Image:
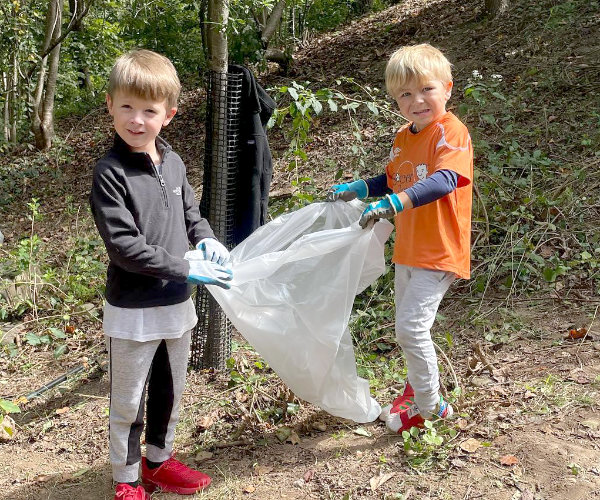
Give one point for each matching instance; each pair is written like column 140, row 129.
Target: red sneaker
column 406, row 393
column 124, row 491
column 406, row 415
column 174, row 477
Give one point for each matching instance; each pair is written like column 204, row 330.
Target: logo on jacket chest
column 177, row 190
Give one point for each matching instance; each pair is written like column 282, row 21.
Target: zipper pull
column 162, row 181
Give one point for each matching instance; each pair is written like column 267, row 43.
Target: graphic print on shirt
column 177, row 190
column 404, row 177
column 394, row 153
column 443, row 142
column 421, row 171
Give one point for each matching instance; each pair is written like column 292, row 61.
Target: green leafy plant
column 300, row 106
column 6, row 408
column 422, row 446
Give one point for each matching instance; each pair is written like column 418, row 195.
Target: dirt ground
column 538, row 407
column 528, row 423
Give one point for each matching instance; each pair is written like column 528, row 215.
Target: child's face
column 138, row 120
column 423, row 102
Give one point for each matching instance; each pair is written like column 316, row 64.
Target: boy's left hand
column 214, row 251
column 386, row 208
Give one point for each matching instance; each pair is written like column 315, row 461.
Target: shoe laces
column 178, row 468
column 407, row 403
column 131, row 493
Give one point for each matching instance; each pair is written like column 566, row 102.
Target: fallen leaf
column 526, row 494
column 42, row 478
column 577, row 334
column 63, row 410
column 249, row 489
column 319, row 426
column 470, row 445
column 309, row 475
column 462, row 423
column 8, row 428
column 361, row 431
column 580, row 376
column 509, row 460
column 261, row 470
column 458, row 463
column 203, row 455
column 69, row 329
column 293, row 438
column 591, row 424
column 283, row 433
column 377, row 481
column 205, row 422
column 79, row 472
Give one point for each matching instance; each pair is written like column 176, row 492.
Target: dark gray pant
column 161, row 366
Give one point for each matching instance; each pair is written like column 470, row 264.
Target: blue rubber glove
column 214, row 251
column 349, row 191
column 205, row 272
column 386, row 208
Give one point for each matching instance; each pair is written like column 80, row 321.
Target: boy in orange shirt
column 427, row 190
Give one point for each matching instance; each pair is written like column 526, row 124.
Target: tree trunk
column 218, row 16
column 6, row 127
column 270, row 27
column 202, row 13
column 217, row 338
column 495, row 7
column 218, row 60
column 43, row 103
column 12, row 98
column 42, row 119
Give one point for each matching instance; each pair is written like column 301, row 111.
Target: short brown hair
column 416, row 62
column 145, row 74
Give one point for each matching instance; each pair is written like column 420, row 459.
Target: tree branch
column 74, row 21
column 272, row 23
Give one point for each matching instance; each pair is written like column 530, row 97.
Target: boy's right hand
column 348, row 191
column 205, row 272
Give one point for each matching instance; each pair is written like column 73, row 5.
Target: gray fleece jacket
column 147, row 217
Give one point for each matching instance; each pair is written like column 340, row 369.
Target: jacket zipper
column 161, row 181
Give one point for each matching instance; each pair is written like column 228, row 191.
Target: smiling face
column 423, row 102
column 138, row 120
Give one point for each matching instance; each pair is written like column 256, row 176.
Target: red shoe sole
column 150, row 486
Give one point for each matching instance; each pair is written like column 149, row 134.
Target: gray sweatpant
column 418, row 293
column 161, row 365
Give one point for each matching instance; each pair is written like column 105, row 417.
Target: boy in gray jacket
column 145, row 212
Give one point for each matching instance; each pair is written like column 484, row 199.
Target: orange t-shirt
column 436, row 235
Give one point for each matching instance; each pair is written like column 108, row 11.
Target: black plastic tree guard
column 211, row 338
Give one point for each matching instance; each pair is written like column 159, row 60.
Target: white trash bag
column 294, row 284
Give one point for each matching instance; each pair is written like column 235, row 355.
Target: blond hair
column 416, row 62
column 145, row 74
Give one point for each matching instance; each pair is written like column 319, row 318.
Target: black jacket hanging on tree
column 255, row 162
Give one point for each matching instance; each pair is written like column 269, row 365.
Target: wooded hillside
column 518, row 342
